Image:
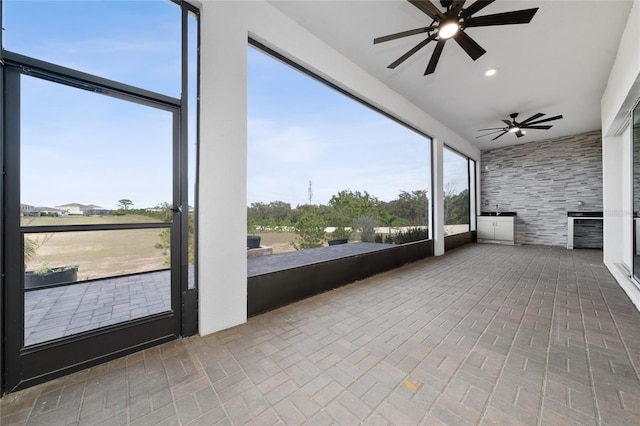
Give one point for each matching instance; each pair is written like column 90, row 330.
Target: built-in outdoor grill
column 584, row 230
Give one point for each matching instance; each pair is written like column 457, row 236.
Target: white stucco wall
column 623, row 86
column 623, row 90
column 226, row 25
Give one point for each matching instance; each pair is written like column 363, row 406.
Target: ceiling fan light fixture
column 518, row 128
column 452, row 23
column 448, row 28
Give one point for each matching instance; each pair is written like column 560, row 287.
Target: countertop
column 584, row 214
column 498, row 214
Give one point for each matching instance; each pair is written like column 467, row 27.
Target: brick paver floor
column 486, row 334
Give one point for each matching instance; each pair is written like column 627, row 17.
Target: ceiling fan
column 452, row 24
column 519, row 129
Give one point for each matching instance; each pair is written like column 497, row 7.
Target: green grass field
column 98, row 254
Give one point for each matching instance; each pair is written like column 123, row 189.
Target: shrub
column 341, row 233
column 408, row 236
column 310, row 230
column 366, row 225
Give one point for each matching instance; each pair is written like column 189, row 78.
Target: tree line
column 409, row 209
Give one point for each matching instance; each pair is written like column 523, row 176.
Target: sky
column 78, row 146
column 301, row 131
column 82, row 147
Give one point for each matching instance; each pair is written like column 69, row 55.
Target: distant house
column 92, row 209
column 27, row 210
column 49, row 211
column 83, row 209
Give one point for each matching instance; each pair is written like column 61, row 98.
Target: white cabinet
column 485, row 228
column 496, row 229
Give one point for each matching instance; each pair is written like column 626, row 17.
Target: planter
column 253, row 241
column 338, row 241
column 55, row 276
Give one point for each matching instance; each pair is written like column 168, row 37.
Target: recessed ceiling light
column 491, row 72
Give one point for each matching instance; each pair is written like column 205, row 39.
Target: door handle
column 177, row 209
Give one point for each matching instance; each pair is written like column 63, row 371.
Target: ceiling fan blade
column 490, row 133
column 472, row 48
column 536, row 127
column 407, row 55
column 507, row 18
column 533, row 117
column 429, row 8
column 403, row 34
column 435, row 57
column 557, row 117
column 501, row 134
column 476, row 7
column 491, row 128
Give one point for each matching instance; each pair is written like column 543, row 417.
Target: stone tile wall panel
column 542, row 181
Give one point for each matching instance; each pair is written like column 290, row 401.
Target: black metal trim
column 189, row 324
column 14, row 300
column 142, row 321
column 183, row 164
column 42, row 363
column 96, row 279
column 85, row 81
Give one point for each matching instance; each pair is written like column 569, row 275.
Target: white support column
column 222, row 256
column 437, row 147
column 612, row 158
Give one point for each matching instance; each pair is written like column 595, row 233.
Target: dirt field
column 98, row 253
column 279, row 241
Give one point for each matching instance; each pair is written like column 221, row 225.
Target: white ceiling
column 557, row 64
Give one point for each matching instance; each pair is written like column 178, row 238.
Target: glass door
column 93, row 216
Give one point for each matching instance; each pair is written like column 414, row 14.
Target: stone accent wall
column 542, row 181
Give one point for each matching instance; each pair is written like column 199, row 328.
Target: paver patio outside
column 63, row 311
